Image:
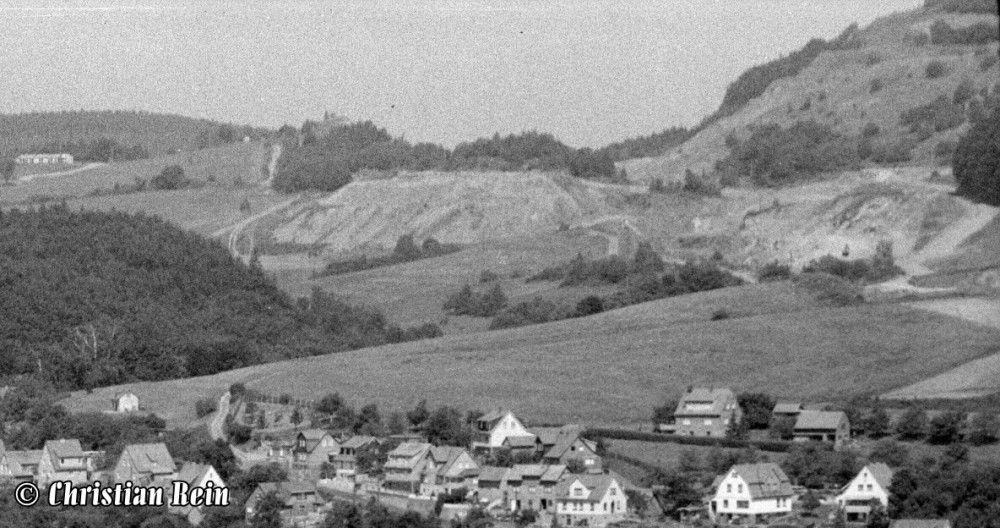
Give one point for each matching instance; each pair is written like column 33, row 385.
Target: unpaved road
column 976, row 378
column 272, row 164
column 62, row 173
column 236, row 229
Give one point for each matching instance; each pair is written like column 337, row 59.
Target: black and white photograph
column 499, row 263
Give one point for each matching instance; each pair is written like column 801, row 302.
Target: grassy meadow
column 614, row 367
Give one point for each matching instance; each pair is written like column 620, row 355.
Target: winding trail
column 236, row 230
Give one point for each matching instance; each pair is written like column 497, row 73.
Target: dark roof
column 597, row 486
column 150, row 458
column 492, row 416
column 787, row 408
column 565, row 442
column 819, row 420
column 716, row 397
column 520, row 441
column 764, row 480
column 492, row 473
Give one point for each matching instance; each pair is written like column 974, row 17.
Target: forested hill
column 156, row 133
column 93, row 298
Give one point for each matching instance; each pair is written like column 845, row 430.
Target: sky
column 589, row 71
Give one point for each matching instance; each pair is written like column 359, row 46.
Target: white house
column 871, row 483
column 126, row 402
column 494, row 427
column 753, row 492
column 596, row 499
column 31, row 159
column 197, row 476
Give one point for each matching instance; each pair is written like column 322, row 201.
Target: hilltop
column 156, row 133
column 872, row 75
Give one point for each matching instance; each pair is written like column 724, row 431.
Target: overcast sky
column 589, row 71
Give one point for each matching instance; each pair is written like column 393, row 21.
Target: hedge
column 774, row 446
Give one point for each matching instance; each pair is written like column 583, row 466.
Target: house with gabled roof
column 313, row 447
column 871, row 484
column 125, row 402
column 447, row 469
column 570, row 447
column 299, row 497
column 404, row 468
column 141, row 464
column 495, row 427
column 752, row 492
column 704, row 411
column 20, row 466
column 63, row 460
column 596, row 499
column 786, row 410
column 822, row 426
column 197, row 476
column 349, row 450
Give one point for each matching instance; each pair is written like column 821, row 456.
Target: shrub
column 698, row 185
column 205, row 406
column 870, row 130
column 936, row 69
column 872, row 59
column 589, row 305
column 171, row 177
column 719, row 314
column 773, row 271
column 912, row 424
column 468, row 302
column 976, row 161
column 963, row 92
column 939, row 114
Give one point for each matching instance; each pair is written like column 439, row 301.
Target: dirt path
column 272, row 164
column 237, row 229
column 976, row 378
column 86, row 167
column 215, row 428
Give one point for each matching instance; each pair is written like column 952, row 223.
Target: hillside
column 93, row 298
column 156, row 133
column 878, row 74
column 621, row 363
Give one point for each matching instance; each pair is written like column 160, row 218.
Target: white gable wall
column 509, row 425
column 733, row 497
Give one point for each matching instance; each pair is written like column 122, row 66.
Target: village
column 510, row 473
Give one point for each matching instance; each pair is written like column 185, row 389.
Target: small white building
column 32, row 159
column 126, row 402
column 871, row 484
column 495, row 427
column 596, row 499
column 752, row 492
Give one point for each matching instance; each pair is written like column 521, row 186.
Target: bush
column 468, row 302
column 699, row 185
column 205, row 406
column 870, row 130
column 171, row 177
column 536, row 311
column 939, row 114
column 963, row 92
column 936, row 69
column 773, row 271
column 978, row 33
column 976, row 161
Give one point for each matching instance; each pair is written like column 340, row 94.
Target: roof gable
column 826, row 420
column 763, row 481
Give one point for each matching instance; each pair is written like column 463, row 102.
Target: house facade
column 31, row 159
column 346, row 459
column 570, row 449
column 141, row 464
column 871, row 484
column 704, row 411
column 313, row 448
column 495, row 427
column 752, row 493
column 63, row 460
column 197, row 476
column 299, row 498
column 20, row 466
column 447, row 469
column 125, row 402
column 822, row 426
column 405, row 465
column 591, row 500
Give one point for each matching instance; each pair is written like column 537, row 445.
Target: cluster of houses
column 565, row 477
column 33, row 159
column 145, row 465
column 711, row 411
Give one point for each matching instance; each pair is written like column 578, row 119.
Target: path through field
column 86, row 167
column 236, row 229
column 976, row 378
column 272, row 164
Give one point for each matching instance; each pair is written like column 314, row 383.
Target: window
column 739, row 488
column 588, row 461
column 605, row 506
column 708, row 421
column 725, row 503
column 612, row 491
column 729, row 488
column 687, row 421
column 743, row 504
column 869, row 487
column 577, row 492
column 591, row 506
column 861, row 487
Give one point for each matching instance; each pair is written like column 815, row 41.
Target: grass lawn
column 666, row 454
column 413, row 293
column 616, row 366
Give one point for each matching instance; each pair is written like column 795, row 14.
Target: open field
column 622, row 362
column 666, row 454
column 225, row 164
column 413, row 293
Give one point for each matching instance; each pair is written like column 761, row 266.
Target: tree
column 7, row 168
column 877, row 425
column 267, row 514
column 877, row 516
column 891, row 452
column 296, row 417
column 589, row 305
column 810, row 502
column 984, row 428
column 782, row 427
column 525, row 517
column 946, row 427
column 406, row 249
column 396, row 424
column 368, row 420
column 646, row 261
column 976, row 162
column 419, row 414
column 330, row 404
column 737, row 429
column 171, row 177
column 446, row 427
column 913, row 424
column 757, row 407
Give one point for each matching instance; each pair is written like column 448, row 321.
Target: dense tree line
column 775, row 156
column 976, row 161
column 326, row 162
column 988, row 7
column 155, row 134
column 975, row 34
column 95, row 298
column 100, row 149
column 406, row 250
column 654, row 144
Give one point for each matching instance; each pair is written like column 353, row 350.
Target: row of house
column 31, row 159
column 762, row 492
column 711, row 411
column 147, row 465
